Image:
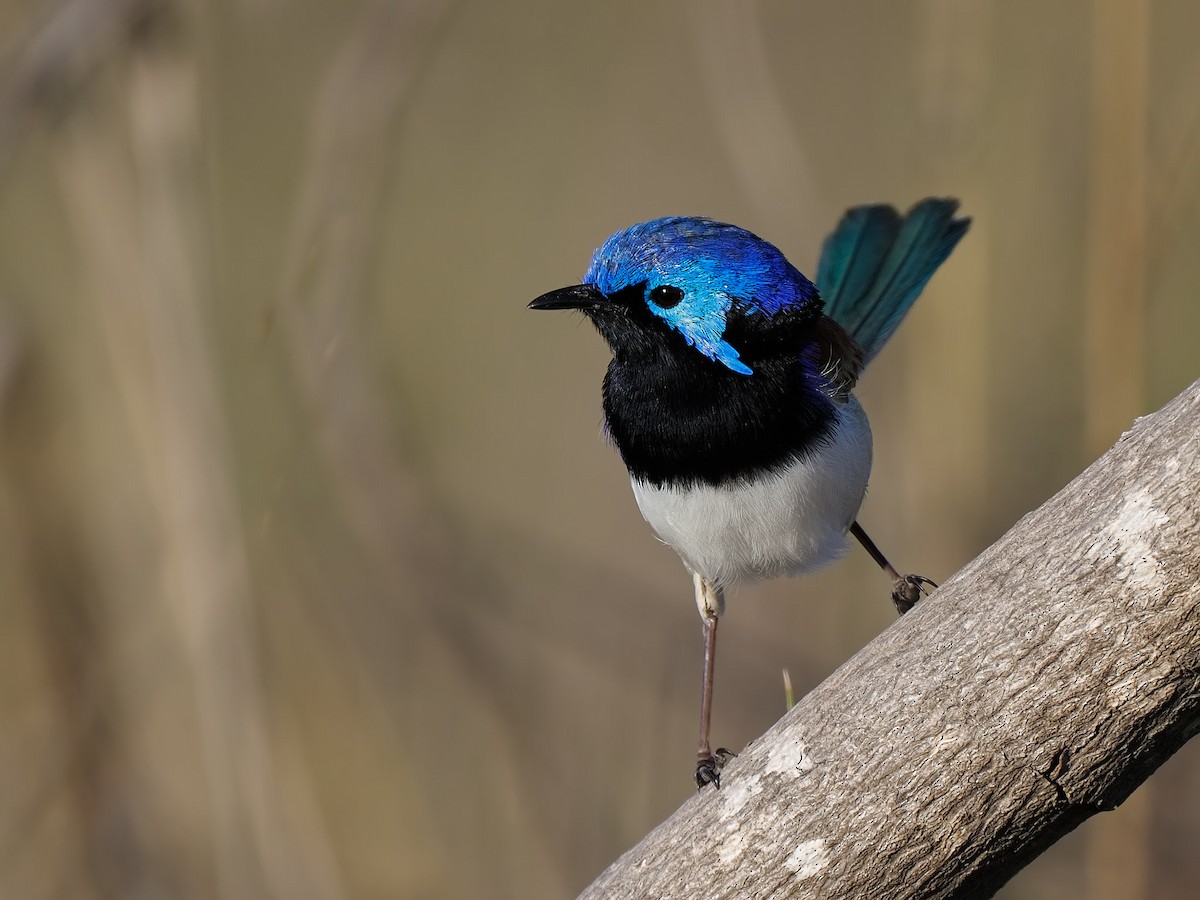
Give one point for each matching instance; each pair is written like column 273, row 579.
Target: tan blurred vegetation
column 317, row 579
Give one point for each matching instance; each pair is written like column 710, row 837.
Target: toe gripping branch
column 906, row 589
column 708, row 768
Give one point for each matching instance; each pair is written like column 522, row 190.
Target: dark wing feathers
column 839, row 359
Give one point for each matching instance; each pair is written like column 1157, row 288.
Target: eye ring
column 666, row 296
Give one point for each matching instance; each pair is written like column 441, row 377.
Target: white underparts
column 784, row 523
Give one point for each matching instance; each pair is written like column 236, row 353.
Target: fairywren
column 729, row 394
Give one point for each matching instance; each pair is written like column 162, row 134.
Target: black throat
column 680, row 418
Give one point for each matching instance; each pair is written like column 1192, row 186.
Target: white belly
column 782, row 524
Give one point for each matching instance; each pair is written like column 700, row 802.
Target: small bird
column 729, row 394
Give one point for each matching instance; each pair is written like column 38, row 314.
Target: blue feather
column 722, row 271
column 875, row 264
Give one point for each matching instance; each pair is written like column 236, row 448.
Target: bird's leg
column 906, row 589
column 710, row 600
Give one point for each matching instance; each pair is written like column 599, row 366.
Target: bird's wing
column 839, row 357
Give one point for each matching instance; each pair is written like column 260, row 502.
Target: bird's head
column 714, row 288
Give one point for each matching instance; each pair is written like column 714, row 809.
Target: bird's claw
column 908, row 589
column 708, row 768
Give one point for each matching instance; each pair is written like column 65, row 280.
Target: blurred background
column 317, row 578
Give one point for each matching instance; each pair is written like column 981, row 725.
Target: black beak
column 578, row 296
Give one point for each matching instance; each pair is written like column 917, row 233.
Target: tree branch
column 1037, row 687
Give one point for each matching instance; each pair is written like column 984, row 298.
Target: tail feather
column 875, row 264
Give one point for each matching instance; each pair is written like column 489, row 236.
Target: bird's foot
column 708, row 768
column 908, row 589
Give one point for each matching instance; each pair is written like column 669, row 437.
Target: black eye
column 665, row 296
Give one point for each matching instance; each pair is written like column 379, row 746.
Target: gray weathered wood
column 1037, row 687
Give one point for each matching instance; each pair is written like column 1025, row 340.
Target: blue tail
column 875, row 265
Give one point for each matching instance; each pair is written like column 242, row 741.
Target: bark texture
column 1039, row 686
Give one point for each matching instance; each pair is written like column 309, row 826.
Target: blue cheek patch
column 729, row 358
column 702, row 324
